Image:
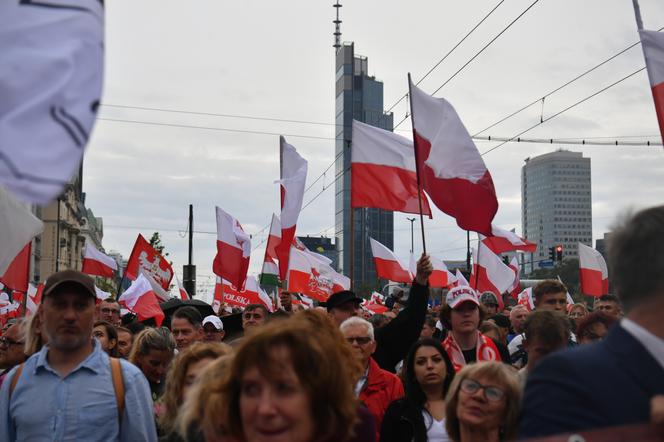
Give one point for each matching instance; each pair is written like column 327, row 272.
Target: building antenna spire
column 337, row 27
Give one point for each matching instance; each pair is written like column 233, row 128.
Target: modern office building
column 322, row 245
column 360, row 97
column 556, row 204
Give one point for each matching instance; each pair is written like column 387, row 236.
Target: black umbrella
column 173, row 304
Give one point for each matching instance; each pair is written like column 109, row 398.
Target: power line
column 575, row 141
column 544, row 120
column 478, row 53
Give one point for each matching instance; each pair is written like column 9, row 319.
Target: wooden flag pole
column 417, row 165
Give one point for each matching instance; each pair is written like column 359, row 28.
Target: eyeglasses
column 493, row 394
column 362, row 340
column 9, row 342
column 110, row 311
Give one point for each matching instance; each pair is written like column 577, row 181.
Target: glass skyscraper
column 360, row 97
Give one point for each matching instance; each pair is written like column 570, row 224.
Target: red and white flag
column 34, row 297
column 383, row 171
column 516, row 285
column 311, row 276
column 17, row 275
column 252, row 294
column 145, row 258
column 502, row 241
column 233, row 250
column 451, row 169
column 388, row 266
column 441, row 276
column 594, row 275
column 141, row 300
column 97, row 263
column 270, row 272
column 17, row 227
column 218, row 297
column 101, row 295
column 181, row 290
column 525, row 298
column 460, row 279
column 376, row 308
column 490, row 273
column 293, row 179
column 652, row 43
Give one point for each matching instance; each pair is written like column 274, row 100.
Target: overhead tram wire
column 574, row 141
column 564, row 110
column 578, row 77
column 478, row 53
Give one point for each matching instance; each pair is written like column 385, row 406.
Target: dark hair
column 549, row 327
column 446, row 315
column 610, row 298
column 111, row 299
column 593, row 318
column 414, row 393
column 112, row 334
column 430, row 321
column 135, row 327
column 252, row 307
column 191, row 314
column 547, row 287
column 635, row 257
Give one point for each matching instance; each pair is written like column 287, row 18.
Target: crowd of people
column 464, row 371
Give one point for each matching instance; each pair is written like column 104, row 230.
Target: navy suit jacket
column 591, row 386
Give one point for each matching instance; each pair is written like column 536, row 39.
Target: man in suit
column 613, row 382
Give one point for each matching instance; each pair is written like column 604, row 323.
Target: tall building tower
column 359, row 97
column 556, row 204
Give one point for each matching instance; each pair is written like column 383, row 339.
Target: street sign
column 545, row 264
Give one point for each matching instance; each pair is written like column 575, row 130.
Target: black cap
column 70, row 277
column 336, row 299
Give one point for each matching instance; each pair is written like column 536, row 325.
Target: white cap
column 214, row 320
column 461, row 294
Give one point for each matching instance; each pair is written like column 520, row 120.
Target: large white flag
column 51, row 70
column 17, row 227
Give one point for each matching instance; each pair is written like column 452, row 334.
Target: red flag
column 252, row 294
column 652, row 43
column 34, row 297
column 451, row 169
column 309, row 274
column 502, row 241
column 141, row 300
column 233, row 250
column 490, row 273
column 383, row 171
column 145, row 257
column 594, row 275
column 183, row 293
column 388, row 266
column 516, row 285
column 17, row 275
column 97, row 263
column 293, row 178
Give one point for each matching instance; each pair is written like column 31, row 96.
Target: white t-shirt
column 436, row 431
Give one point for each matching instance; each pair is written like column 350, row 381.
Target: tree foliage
column 155, row 242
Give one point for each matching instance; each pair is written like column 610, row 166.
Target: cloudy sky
column 253, row 62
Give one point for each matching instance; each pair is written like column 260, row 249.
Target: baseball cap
column 489, row 298
column 461, row 294
column 214, row 320
column 70, row 277
column 342, row 297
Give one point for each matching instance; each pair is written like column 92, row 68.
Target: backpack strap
column 118, row 386
column 14, row 380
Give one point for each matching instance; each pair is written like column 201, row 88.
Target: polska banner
column 144, row 257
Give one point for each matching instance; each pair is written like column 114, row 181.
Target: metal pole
column 412, row 237
column 417, row 168
column 468, row 251
column 191, row 231
column 57, row 239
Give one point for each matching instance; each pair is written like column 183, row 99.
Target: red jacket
column 380, row 389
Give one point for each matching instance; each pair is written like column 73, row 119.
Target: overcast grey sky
column 275, row 60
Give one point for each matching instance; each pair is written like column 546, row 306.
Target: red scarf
column 485, row 350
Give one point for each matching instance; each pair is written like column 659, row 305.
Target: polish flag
column 101, row 295
column 378, row 309
column 451, row 169
column 302, row 300
column 525, row 298
column 388, row 266
column 309, row 275
column 97, row 263
column 183, row 293
column 441, row 276
column 502, row 241
column 490, row 273
column 594, row 275
column 218, row 297
column 652, row 43
column 17, row 275
column 252, row 294
column 144, row 258
column 34, row 297
column 293, row 178
column 8, row 308
column 383, row 171
column 270, row 272
column 460, row 279
column 233, row 250
column 516, row 285
column 18, row 227
column 141, row 300
column 377, row 298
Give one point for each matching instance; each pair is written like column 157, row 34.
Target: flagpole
column 468, row 251
column 637, row 13
column 352, row 247
column 417, row 165
column 477, row 273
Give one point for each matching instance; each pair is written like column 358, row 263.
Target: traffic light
column 552, row 254
column 559, row 253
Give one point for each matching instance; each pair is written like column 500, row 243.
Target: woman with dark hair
column 420, row 415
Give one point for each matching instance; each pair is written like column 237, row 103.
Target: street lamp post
column 412, row 220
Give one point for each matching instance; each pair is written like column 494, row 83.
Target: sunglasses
column 493, row 394
column 362, row 340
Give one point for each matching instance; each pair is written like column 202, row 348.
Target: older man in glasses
column 11, row 349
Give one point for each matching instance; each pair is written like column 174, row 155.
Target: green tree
column 106, row 285
column 568, row 271
column 155, row 242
